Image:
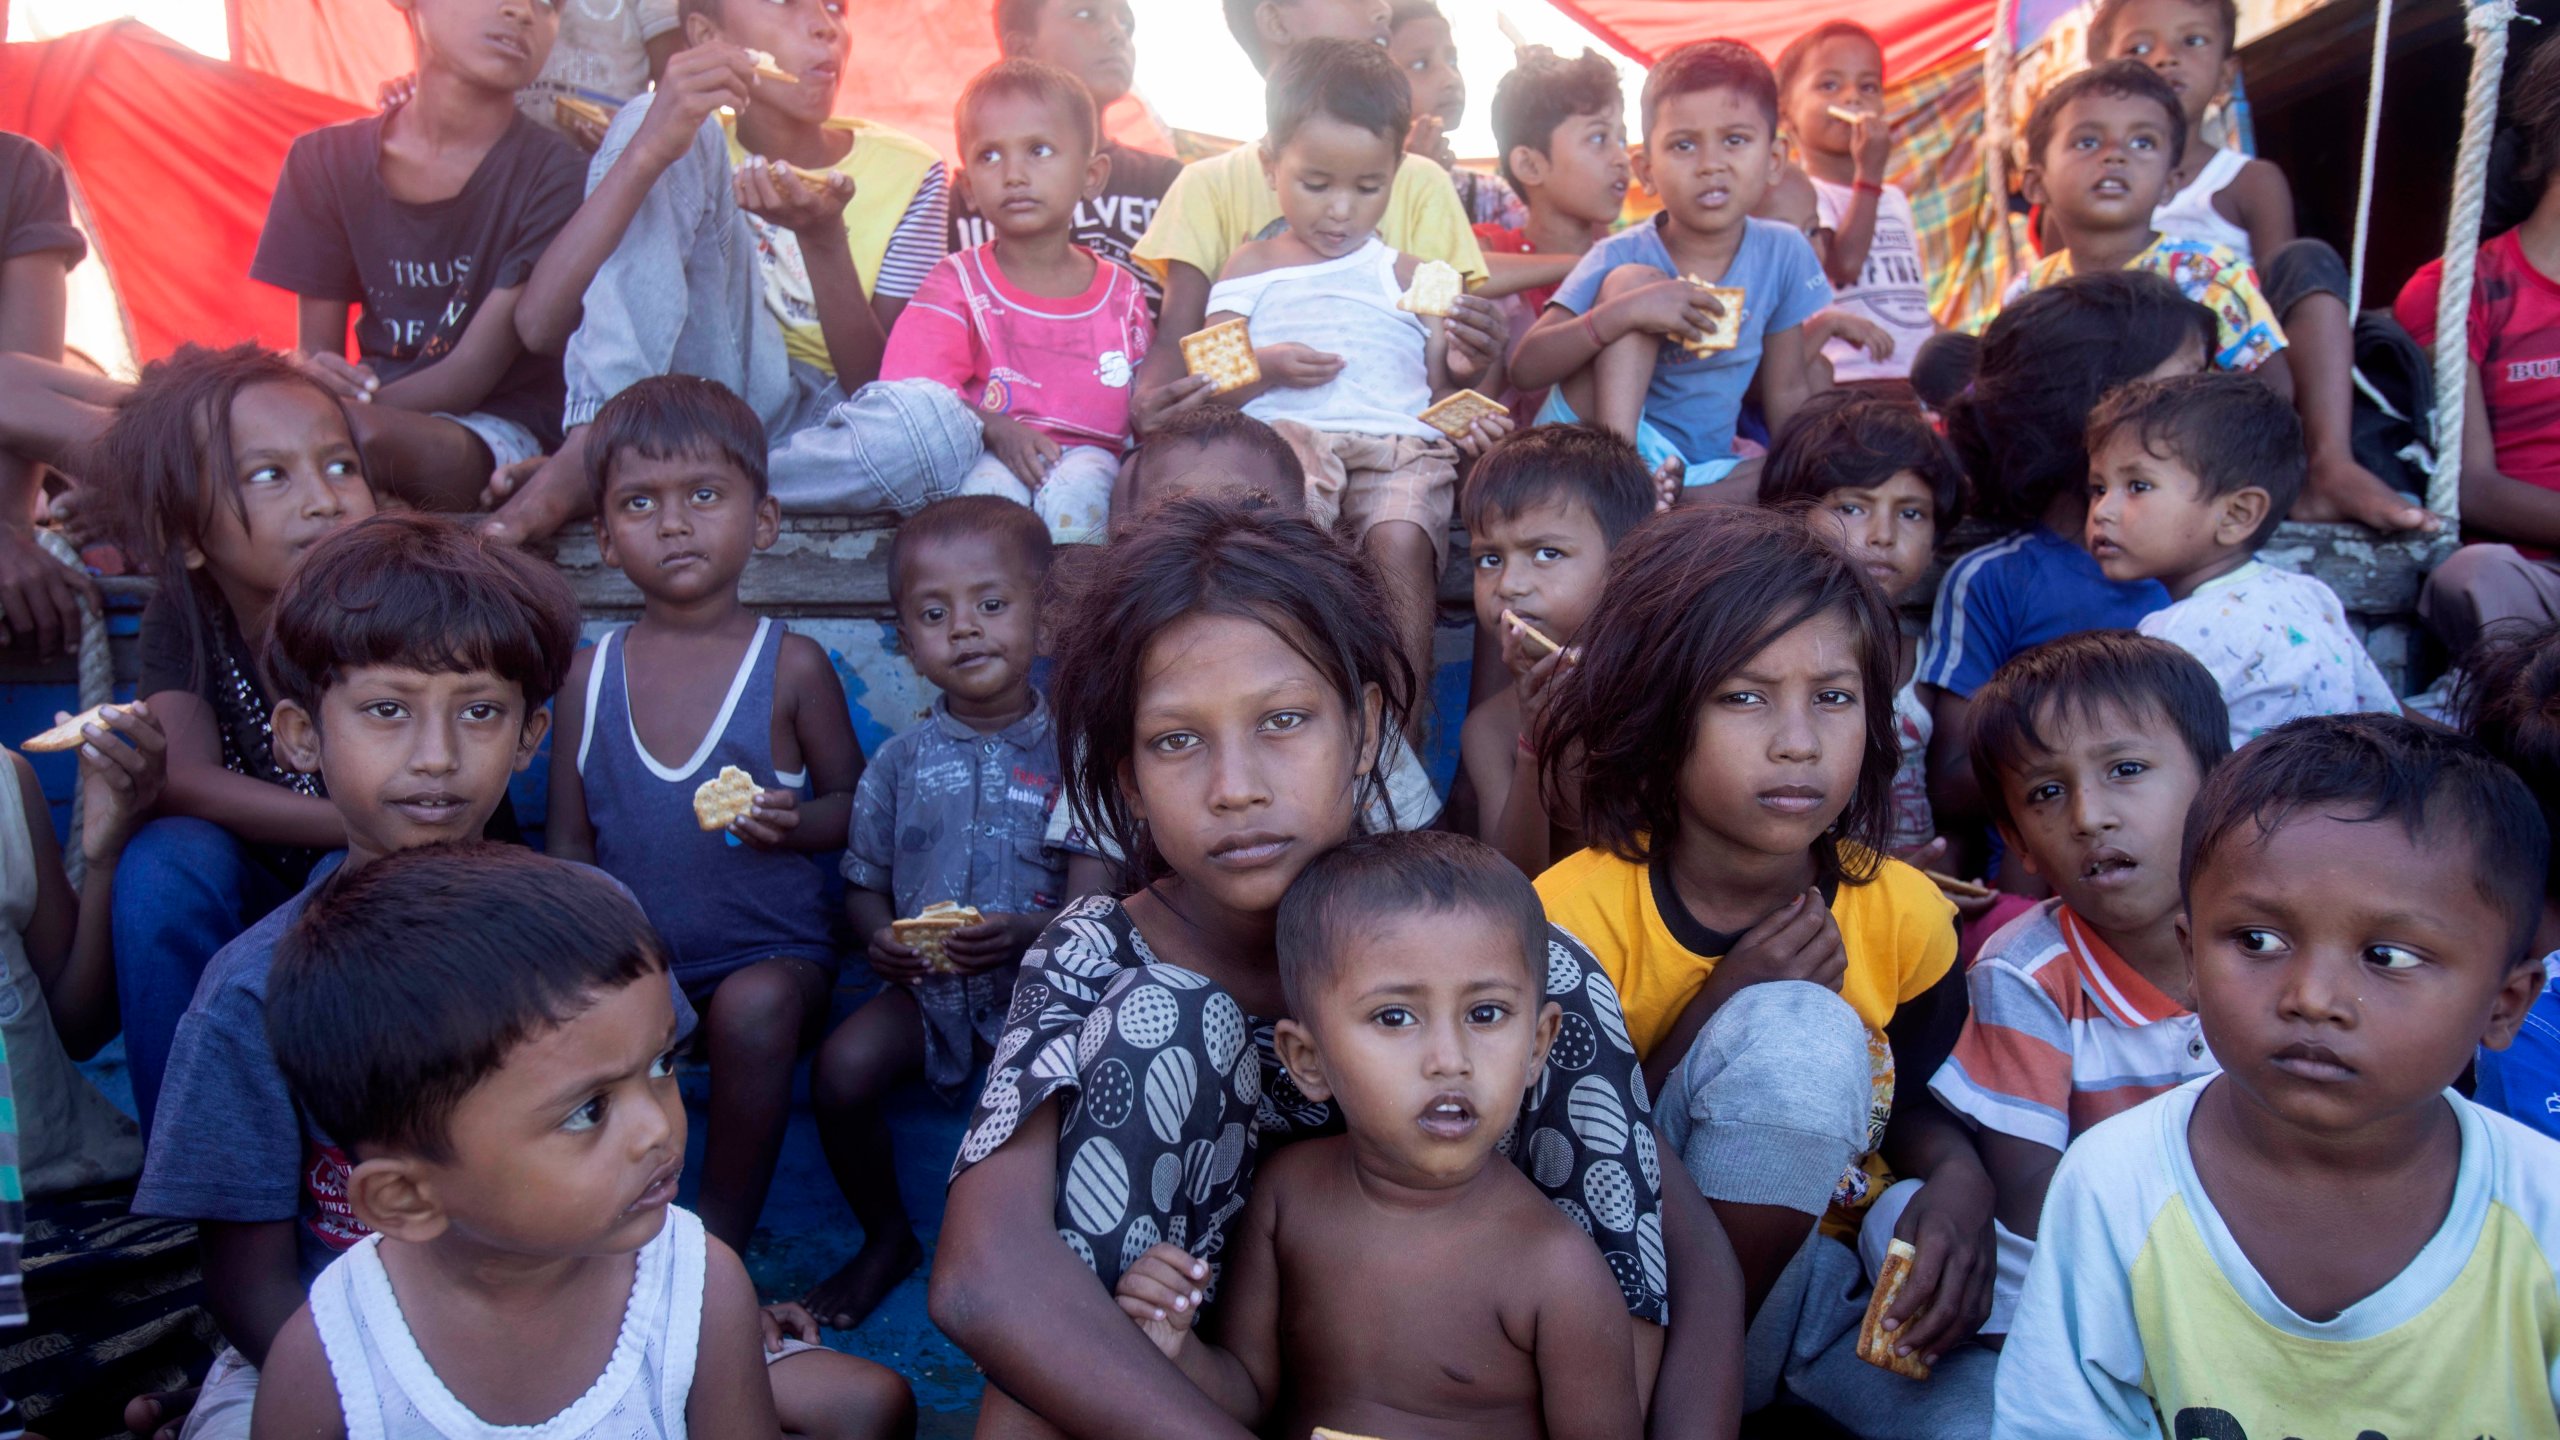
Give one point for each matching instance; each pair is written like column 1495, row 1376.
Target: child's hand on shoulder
column 769, row 824
column 776, row 194
column 1162, row 1293
column 787, row 1320
column 1297, row 367
column 1798, row 941
column 993, row 943
column 698, row 80
column 120, row 778
column 1026, row 452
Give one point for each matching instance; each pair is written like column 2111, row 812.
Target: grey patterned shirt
column 946, row 813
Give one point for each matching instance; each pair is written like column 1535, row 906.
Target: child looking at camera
column 517, row 1137
column 1346, row 371
column 1787, row 986
column 1038, row 333
column 654, row 711
column 1544, row 510
column 2090, row 749
column 2188, row 476
column 1869, row 240
column 2324, row 1238
column 1415, row 969
column 1632, row 338
column 956, row 809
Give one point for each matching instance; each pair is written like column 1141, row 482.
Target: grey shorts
column 508, row 441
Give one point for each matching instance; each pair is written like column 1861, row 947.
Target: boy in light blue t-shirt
column 1634, row 338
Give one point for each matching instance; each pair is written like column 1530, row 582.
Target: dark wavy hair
column 1692, row 595
column 2510, row 700
column 1210, row 555
column 1846, row 440
column 165, row 458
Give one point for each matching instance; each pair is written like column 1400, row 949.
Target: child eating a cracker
column 658, row 713
column 955, row 810
column 1400, row 1279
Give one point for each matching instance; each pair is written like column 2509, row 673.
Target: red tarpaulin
column 1916, row 33
column 175, row 156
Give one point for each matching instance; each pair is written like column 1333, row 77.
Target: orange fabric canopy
column 1916, row 33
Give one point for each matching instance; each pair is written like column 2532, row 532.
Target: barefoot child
column 2090, row 748
column 956, row 809
column 512, row 1116
column 426, row 221
column 656, row 710
column 1544, row 510
column 2323, row 1239
column 1347, row 372
column 2188, row 476
column 1038, row 333
column 1362, row 1270
column 2226, row 198
column 1869, row 242
column 231, row 464
column 1784, row 981
column 1228, row 678
column 1633, row 339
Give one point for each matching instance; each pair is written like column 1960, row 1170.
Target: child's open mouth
column 1449, row 1117
column 2109, row 867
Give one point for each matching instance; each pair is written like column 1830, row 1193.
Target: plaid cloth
column 1937, row 150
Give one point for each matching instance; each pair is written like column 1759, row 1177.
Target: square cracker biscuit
column 926, row 932
column 1728, row 331
column 1453, row 415
column 1224, row 353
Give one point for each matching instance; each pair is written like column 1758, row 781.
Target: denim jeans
column 184, row 889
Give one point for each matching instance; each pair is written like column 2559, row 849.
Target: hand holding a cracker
column 894, row 960
column 1674, row 309
column 769, row 824
column 804, row 202
column 993, row 943
column 699, row 81
column 120, row 777
column 1151, row 406
column 1478, row 337
column 1948, row 1294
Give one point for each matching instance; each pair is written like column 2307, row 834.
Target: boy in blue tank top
column 956, row 809
column 655, row 711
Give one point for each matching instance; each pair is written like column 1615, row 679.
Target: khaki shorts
column 1357, row 482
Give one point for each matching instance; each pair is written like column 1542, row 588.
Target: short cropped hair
column 2510, row 699
column 1848, row 440
column 2438, row 785
column 666, row 416
column 2533, row 103
column 404, row 984
column 1345, row 892
column 1791, row 60
column 2102, row 25
column 1711, row 65
column 419, row 592
column 962, row 516
column 2229, row 428
column 1352, row 81
column 2113, row 79
column 1692, row 595
column 1063, row 93
column 2081, row 676
column 1543, row 464
column 1207, row 425
column 1544, row 91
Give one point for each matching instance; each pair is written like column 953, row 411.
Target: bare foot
column 158, row 1415
column 529, row 503
column 2346, row 491
column 843, row 1299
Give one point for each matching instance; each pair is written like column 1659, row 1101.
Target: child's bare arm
column 1247, row 1321
column 1186, row 301
column 829, row 752
column 253, row 810
column 2021, row 1171
column 1585, row 1347
column 1783, row 386
column 1511, row 274
column 568, row 834
column 1162, row 1293
column 2493, row 500
column 297, row 1396
column 2265, row 202
column 70, row 939
column 1490, row 751
column 460, row 381
column 252, row 1280
column 815, row 216
column 732, row 1399
column 1561, row 343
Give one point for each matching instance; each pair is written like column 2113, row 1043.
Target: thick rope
column 1996, row 139
column 2487, row 23
column 2372, row 138
column 97, row 681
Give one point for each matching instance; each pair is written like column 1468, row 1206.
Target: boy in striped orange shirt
column 2088, row 750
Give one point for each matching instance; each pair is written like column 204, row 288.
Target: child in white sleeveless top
column 489, row 1035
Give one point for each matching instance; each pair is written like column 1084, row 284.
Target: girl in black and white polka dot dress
column 1228, row 677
